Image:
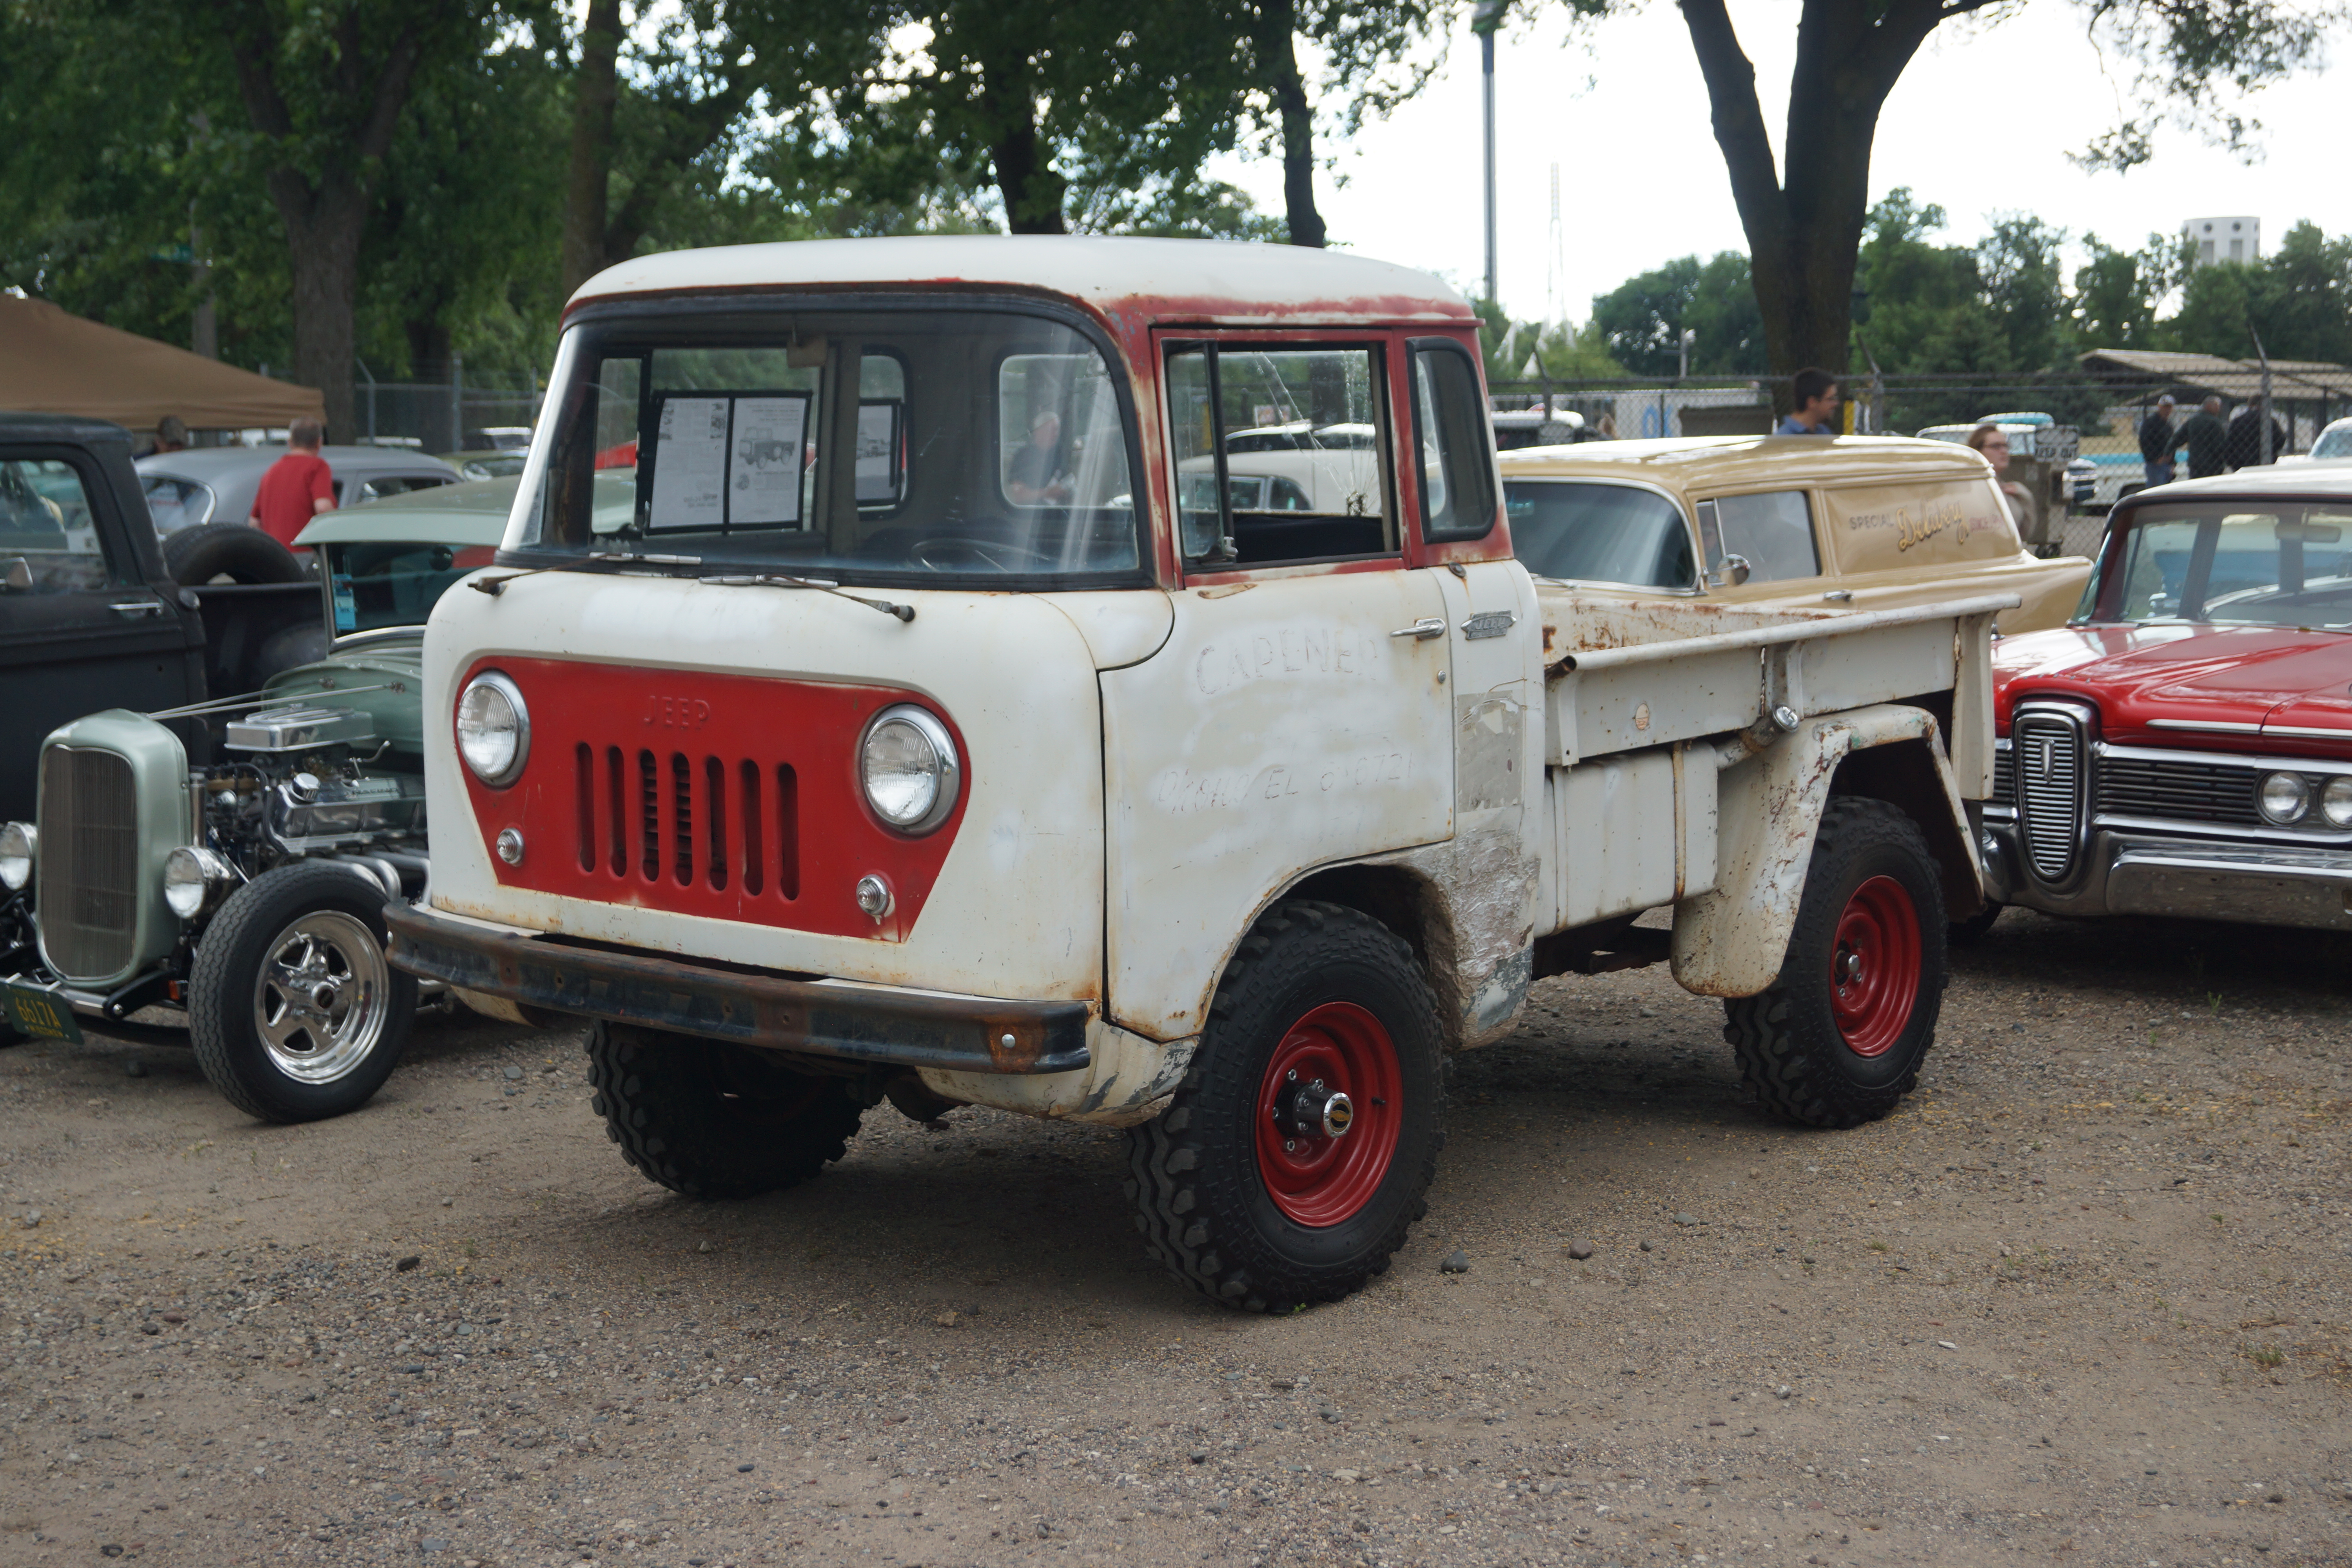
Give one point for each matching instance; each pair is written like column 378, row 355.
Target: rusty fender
column 1127, row 1081
column 1730, row 941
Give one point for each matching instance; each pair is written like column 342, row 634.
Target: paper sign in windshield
column 878, row 451
column 690, row 463
column 764, row 468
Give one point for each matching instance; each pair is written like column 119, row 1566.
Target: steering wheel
column 995, row 553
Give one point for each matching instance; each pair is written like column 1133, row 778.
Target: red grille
column 685, row 792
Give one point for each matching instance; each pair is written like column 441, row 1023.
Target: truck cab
column 930, row 731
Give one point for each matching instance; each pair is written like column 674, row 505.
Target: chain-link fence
column 439, row 417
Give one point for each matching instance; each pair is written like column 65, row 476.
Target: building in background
column 2224, row 240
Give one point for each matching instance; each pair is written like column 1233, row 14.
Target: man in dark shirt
column 2157, row 442
column 2203, row 434
column 1814, row 396
column 2245, row 444
column 1031, row 480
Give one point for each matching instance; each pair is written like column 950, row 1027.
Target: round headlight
column 908, row 764
column 2285, row 797
column 493, row 728
column 191, row 879
column 17, row 842
column 2335, row 801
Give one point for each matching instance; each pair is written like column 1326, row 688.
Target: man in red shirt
column 298, row 487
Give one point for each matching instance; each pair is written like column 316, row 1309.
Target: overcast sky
column 1980, row 124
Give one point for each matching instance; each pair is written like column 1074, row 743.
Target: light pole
column 1485, row 18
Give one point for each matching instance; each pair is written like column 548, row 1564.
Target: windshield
column 879, row 446
column 2287, row 565
column 395, row 585
column 2335, row 441
column 1600, row 534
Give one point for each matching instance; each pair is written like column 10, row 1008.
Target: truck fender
column 1730, row 942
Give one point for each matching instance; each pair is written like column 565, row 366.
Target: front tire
column 293, row 1010
column 711, row 1119
column 1838, row 1039
column 1257, row 1187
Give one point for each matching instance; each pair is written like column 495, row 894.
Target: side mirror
column 17, row 577
column 1729, row 572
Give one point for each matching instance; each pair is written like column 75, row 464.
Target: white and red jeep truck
column 1090, row 678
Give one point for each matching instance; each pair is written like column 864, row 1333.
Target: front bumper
column 816, row 1017
column 2197, row 879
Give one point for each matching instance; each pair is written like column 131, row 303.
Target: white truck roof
column 1201, row 280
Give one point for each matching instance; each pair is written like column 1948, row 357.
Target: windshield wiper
column 821, row 585
column 494, row 586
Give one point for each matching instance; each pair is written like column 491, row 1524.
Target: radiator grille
column 2046, row 751
column 2005, row 775
column 88, row 895
column 2170, row 787
column 724, row 821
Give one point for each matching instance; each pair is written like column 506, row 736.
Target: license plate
column 40, row 1014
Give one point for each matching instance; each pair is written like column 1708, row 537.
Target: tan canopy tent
column 55, row 363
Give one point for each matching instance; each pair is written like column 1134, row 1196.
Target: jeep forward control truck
column 924, row 735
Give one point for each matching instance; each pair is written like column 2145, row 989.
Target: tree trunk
column 1277, row 22
column 323, row 202
column 1804, row 233
column 1025, row 179
column 588, row 182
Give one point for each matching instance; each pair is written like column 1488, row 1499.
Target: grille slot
column 88, row 895
column 2005, row 775
column 2173, row 787
column 2046, row 751
column 730, row 836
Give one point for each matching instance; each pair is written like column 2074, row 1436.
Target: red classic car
column 2183, row 746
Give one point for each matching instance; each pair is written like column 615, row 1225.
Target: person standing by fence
column 2207, row 438
column 2245, row 443
column 1814, row 394
column 2157, row 444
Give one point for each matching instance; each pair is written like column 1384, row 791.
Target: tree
column 1804, row 213
column 324, row 85
column 1643, row 319
column 2298, row 300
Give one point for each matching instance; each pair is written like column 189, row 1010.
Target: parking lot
column 2083, row 1299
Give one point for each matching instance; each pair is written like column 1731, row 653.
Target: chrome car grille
column 2004, row 777
column 87, row 895
column 2046, row 751
column 2177, row 788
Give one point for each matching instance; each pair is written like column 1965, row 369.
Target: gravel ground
column 2083, row 1299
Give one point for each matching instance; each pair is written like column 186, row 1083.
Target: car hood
column 2249, row 686
column 382, row 676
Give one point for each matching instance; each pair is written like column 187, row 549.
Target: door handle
column 136, row 609
column 1422, row 630
column 1840, row 595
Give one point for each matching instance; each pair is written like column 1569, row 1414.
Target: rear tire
column 236, row 550
column 294, row 1012
column 1838, row 1039
column 1245, row 1191
column 710, row 1120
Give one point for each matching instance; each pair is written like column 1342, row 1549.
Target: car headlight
column 908, row 764
column 17, row 843
column 493, row 728
column 2335, row 803
column 2285, row 797
column 194, row 878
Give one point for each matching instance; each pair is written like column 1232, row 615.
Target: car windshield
column 905, row 446
column 2335, row 441
column 2229, row 564
column 1600, row 534
column 395, row 585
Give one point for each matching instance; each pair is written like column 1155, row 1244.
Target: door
column 1300, row 712
column 80, row 629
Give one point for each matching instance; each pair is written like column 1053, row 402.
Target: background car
column 2332, row 444
column 1864, row 522
column 217, row 484
column 2183, row 745
column 493, row 463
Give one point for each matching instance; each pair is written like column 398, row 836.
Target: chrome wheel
column 323, row 996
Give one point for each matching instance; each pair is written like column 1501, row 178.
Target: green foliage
column 2298, row 300
column 1518, row 351
column 1641, row 321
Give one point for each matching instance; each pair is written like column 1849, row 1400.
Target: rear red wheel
column 1328, row 1114
column 1875, row 970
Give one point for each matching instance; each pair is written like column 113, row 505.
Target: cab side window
column 1772, row 532
column 1278, row 453
column 46, row 525
column 1451, row 433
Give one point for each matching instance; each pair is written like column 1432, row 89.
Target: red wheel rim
column 1874, row 968
column 1314, row 1177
